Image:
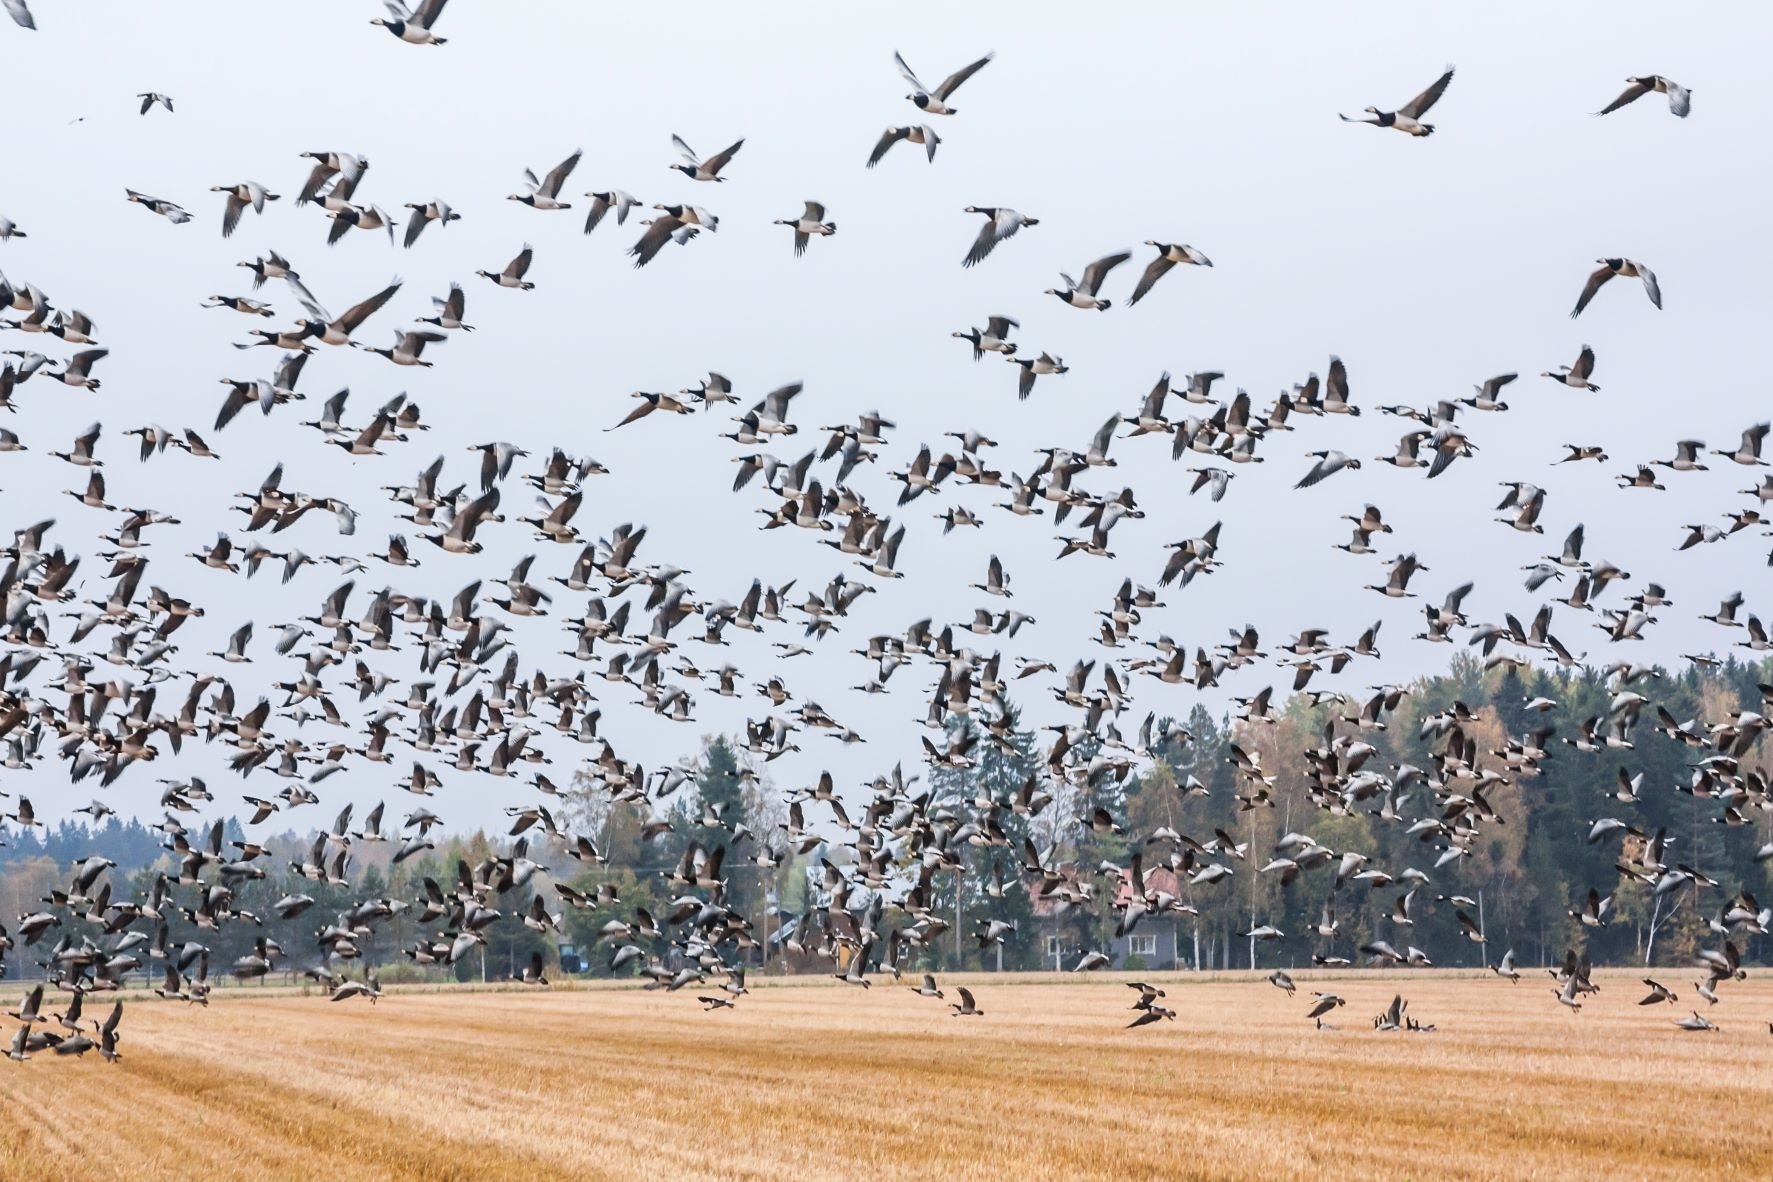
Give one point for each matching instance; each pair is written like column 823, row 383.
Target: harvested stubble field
column 810, row 1079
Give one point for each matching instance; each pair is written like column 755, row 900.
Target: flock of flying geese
column 478, row 704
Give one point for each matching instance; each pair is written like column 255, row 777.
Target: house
column 1067, row 930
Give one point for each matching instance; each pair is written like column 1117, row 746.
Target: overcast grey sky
column 1427, row 265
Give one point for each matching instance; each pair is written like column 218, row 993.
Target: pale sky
column 1427, row 265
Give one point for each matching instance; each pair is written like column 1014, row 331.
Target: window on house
column 1142, row 945
column 1053, row 948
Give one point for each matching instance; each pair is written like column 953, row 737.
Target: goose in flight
column 1033, row 367
column 1611, row 267
column 935, row 101
column 917, row 133
column 993, row 338
column 1748, row 453
column 423, row 214
column 1408, row 118
column 150, row 98
column 20, row 12
column 811, row 222
column 602, row 203
column 697, row 169
column 1083, row 295
column 347, row 168
column 1576, row 376
column 239, row 197
column 1168, row 255
column 175, row 214
column 964, row 1008
column 514, row 272
column 413, row 26
column 545, row 194
column 1001, row 223
column 407, row 347
column 1329, row 463
column 9, row 230
column 1680, row 99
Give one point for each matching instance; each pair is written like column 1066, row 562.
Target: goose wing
column 1600, row 276
column 1418, row 106
column 952, row 83
column 910, row 77
column 1154, row 271
column 358, row 313
column 1637, row 90
column 1097, row 271
column 557, row 175
column 888, row 138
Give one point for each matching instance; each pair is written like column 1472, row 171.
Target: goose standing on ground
column 917, row 133
column 1611, row 267
column 413, row 26
column 150, row 98
column 239, row 197
column 423, row 215
column 1408, row 118
column 514, row 272
column 545, row 194
column 809, row 223
column 1084, row 295
column 173, row 213
column 1168, row 255
column 697, row 169
column 935, row 102
column 1001, row 223
column 1680, row 99
column 1576, row 376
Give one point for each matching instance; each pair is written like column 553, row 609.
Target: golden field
column 816, row 1079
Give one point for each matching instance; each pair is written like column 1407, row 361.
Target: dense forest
column 1524, row 879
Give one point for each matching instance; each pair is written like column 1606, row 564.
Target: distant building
column 1064, row 928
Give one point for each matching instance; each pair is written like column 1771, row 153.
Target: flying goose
column 669, row 228
column 77, row 370
column 449, row 310
column 545, row 194
column 1168, row 255
column 412, row 26
column 348, row 168
column 347, row 217
column 150, row 98
column 9, row 230
column 1084, row 295
column 239, row 197
column 934, row 102
column 1329, row 463
column 1035, row 366
column 1680, row 99
column 602, row 203
column 423, row 215
column 244, row 304
column 513, row 274
column 1408, row 118
column 993, row 338
column 1748, row 453
column 811, row 222
column 1576, row 376
column 965, row 1007
column 337, row 331
column 20, row 12
column 166, row 209
column 920, row 133
column 1000, row 223
column 1609, row 268
column 407, row 347
column 697, row 169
